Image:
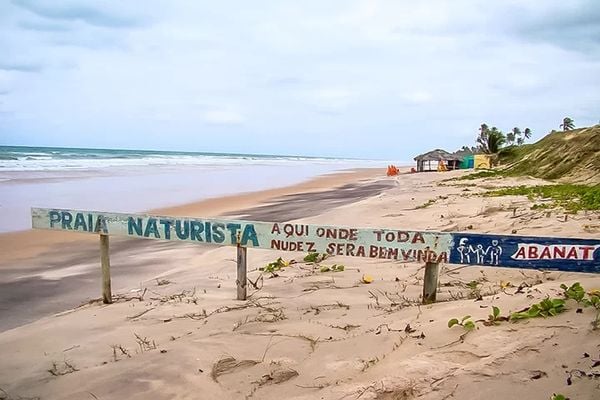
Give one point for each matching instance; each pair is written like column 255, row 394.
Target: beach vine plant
column 546, row 308
column 315, row 258
column 333, row 268
column 594, row 301
column 495, row 318
column 573, row 292
column 466, row 322
column 275, row 266
column 577, row 292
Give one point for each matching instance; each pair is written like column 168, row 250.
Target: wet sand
column 60, row 270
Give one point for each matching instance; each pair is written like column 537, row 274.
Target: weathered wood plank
column 105, row 264
column 374, row 243
column 242, row 278
column 430, row 282
column 567, row 254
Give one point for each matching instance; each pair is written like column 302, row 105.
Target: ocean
column 20, row 158
column 138, row 180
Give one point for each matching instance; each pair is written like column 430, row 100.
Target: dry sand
column 306, row 334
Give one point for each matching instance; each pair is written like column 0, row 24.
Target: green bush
column 480, row 175
column 571, row 197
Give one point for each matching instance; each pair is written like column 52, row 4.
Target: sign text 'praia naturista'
column 581, row 255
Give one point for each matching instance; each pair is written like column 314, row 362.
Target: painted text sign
column 395, row 244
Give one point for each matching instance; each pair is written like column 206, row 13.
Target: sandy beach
column 366, row 200
column 176, row 331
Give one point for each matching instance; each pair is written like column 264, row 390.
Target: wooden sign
column 565, row 254
column 432, row 248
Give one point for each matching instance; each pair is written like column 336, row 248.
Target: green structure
column 467, row 162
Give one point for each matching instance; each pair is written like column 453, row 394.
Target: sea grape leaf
column 496, row 311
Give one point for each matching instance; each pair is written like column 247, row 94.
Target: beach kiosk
column 431, row 161
column 483, row 161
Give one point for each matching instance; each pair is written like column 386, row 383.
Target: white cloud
column 222, row 117
column 332, row 99
column 418, row 97
column 371, row 72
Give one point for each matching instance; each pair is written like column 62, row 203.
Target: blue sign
column 580, row 255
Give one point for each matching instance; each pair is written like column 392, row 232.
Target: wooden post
column 431, row 282
column 105, row 261
column 241, row 272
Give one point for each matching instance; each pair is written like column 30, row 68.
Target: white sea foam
column 46, row 163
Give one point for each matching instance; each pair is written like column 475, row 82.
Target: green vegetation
column 426, row 204
column 594, row 301
column 577, row 293
column 490, row 141
column 276, row 265
column 516, row 137
column 543, row 206
column 572, row 156
column 572, row 198
column 546, row 308
column 494, row 318
column 315, row 257
column 574, row 292
column 479, row 175
column 465, row 322
column 558, row 397
column 333, row 268
column 568, row 124
column 475, row 290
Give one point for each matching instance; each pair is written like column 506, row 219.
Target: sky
column 367, row 79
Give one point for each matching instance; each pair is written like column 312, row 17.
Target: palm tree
column 496, row 140
column 513, row 135
column 483, row 136
column 527, row 133
column 568, row 124
column 491, row 140
column 510, row 138
column 483, row 128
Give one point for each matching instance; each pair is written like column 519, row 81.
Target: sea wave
column 53, row 159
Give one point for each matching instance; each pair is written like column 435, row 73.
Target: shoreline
column 25, row 244
column 136, row 189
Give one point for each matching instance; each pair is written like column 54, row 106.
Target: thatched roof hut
column 429, row 161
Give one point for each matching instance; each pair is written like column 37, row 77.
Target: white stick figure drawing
column 479, row 252
column 464, row 251
column 495, row 252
